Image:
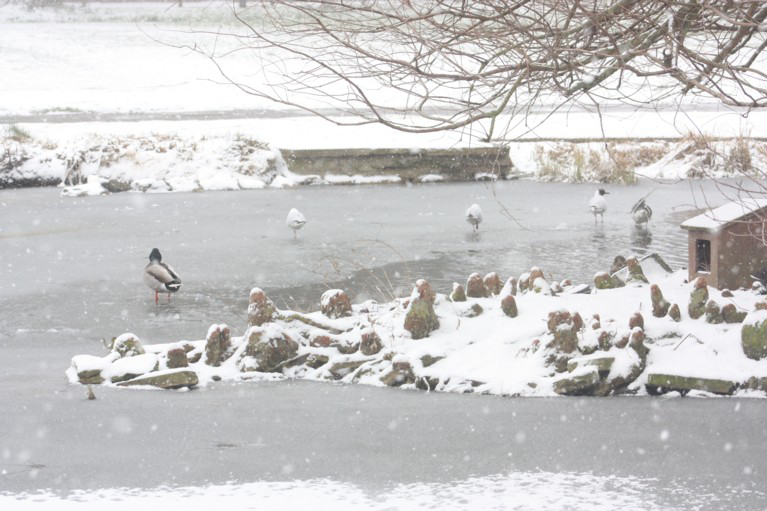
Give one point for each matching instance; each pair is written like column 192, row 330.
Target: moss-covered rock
column 523, row 283
column 636, row 275
column 268, row 349
column 176, row 359
column 315, row 361
column 89, row 369
column 660, row 383
column 370, row 343
column 425, row 291
column 430, row 360
column 756, row 383
column 535, row 274
column 753, row 335
column 401, row 373
column 619, row 384
column 493, row 283
column 659, row 305
column 618, row 264
column 344, row 345
column 427, row 383
column 260, row 308
column 636, row 342
column 578, row 321
column 129, row 368
column 509, row 288
column 603, row 281
column 605, row 340
column 475, row 287
column 541, row 286
column 420, row 318
column 336, row 304
column 731, row 314
column 509, row 306
column 578, row 383
column 340, row 370
column 602, row 363
column 172, row 379
column 636, row 320
column 127, row 345
column 473, row 311
column 698, row 299
column 218, row 345
column 565, row 339
column 713, row 313
column 458, row 294
column 674, row 313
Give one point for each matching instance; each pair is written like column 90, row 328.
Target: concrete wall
column 410, row 165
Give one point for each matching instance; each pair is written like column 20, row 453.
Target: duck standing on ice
column 295, row 221
column 641, row 213
column 598, row 205
column 474, row 216
column 160, row 276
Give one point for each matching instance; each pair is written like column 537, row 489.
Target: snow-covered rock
column 547, row 349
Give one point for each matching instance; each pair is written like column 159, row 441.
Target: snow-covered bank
column 166, row 157
column 94, row 164
column 528, row 337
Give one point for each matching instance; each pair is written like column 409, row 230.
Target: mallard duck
column 474, row 216
column 295, row 221
column 641, row 212
column 598, row 205
column 160, row 276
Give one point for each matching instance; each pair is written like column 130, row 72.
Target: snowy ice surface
column 515, row 490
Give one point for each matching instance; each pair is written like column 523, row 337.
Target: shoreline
column 151, row 161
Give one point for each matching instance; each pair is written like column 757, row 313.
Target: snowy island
column 640, row 329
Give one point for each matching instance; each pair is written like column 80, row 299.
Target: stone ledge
column 408, row 164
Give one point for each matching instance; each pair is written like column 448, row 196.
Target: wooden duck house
column 728, row 244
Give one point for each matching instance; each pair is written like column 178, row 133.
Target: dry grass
column 612, row 163
column 17, row 133
column 738, row 156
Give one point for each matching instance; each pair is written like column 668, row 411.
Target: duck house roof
column 726, row 214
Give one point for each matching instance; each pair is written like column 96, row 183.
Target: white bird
column 295, row 221
column 474, row 216
column 641, row 212
column 598, row 204
column 160, row 276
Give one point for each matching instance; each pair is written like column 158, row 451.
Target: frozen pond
column 71, row 274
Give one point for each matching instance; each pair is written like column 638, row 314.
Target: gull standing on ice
column 160, row 276
column 295, row 221
column 598, row 204
column 474, row 216
column 641, row 212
